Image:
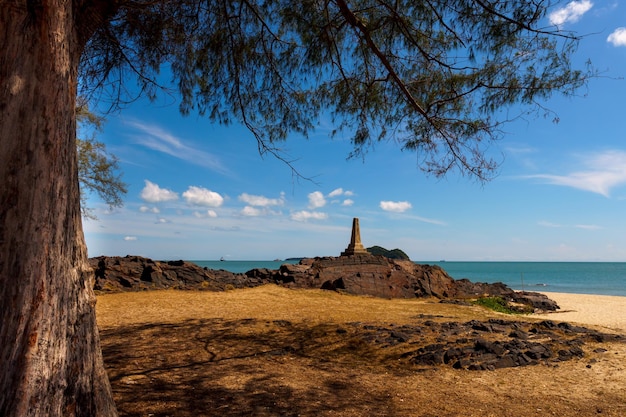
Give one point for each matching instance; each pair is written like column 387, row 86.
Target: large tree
column 434, row 75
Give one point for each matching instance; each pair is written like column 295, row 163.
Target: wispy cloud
column 146, row 209
column 570, row 13
column 605, row 171
column 262, row 201
column 156, row 138
column 588, row 226
column 251, row 211
column 304, row 215
column 618, row 37
column 544, row 223
column 427, row 220
column 206, row 214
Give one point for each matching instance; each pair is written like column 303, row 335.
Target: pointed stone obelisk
column 355, row 247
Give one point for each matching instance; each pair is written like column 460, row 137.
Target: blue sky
column 198, row 190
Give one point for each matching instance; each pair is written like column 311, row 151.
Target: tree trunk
column 50, row 358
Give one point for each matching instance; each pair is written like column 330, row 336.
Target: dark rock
column 134, row 273
column 518, row 334
column 400, row 337
column 506, row 361
column 538, row 301
column 430, row 358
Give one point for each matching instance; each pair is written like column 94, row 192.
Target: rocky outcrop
column 135, row 273
column 379, row 276
column 361, row 274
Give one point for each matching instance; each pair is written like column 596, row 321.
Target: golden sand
column 604, row 311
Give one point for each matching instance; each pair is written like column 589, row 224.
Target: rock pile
column 478, row 345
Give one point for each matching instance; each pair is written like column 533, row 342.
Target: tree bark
column 50, row 358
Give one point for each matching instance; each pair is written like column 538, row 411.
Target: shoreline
column 605, row 311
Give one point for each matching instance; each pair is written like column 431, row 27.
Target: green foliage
column 499, row 304
column 392, row 254
column 97, row 169
column 439, row 77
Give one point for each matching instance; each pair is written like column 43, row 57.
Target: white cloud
column 316, row 200
column 250, row 211
column 158, row 139
column 395, row 206
column 261, row 201
column 211, row 213
column 336, row 192
column 339, row 192
column 130, row 238
column 571, row 13
column 606, row 170
column 152, row 193
column 198, row 196
column 146, row 209
column 618, row 37
column 304, row 215
column 347, row 202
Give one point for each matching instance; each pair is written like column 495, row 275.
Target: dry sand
column 604, row 311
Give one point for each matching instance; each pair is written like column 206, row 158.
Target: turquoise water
column 608, row 278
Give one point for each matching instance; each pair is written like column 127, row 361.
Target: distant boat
column 222, row 259
column 278, row 260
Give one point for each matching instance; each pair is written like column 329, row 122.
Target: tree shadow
column 242, row 367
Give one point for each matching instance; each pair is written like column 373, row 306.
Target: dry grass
column 271, row 351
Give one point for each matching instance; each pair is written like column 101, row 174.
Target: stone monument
column 355, row 247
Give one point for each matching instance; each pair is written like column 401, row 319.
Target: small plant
column 500, row 305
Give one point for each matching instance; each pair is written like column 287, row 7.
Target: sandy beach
column 604, row 311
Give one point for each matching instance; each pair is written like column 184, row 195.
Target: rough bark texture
column 50, row 358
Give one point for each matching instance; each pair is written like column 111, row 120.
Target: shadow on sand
column 245, row 367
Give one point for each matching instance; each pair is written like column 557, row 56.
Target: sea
column 604, row 278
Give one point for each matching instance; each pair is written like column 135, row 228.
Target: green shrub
column 499, row 304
